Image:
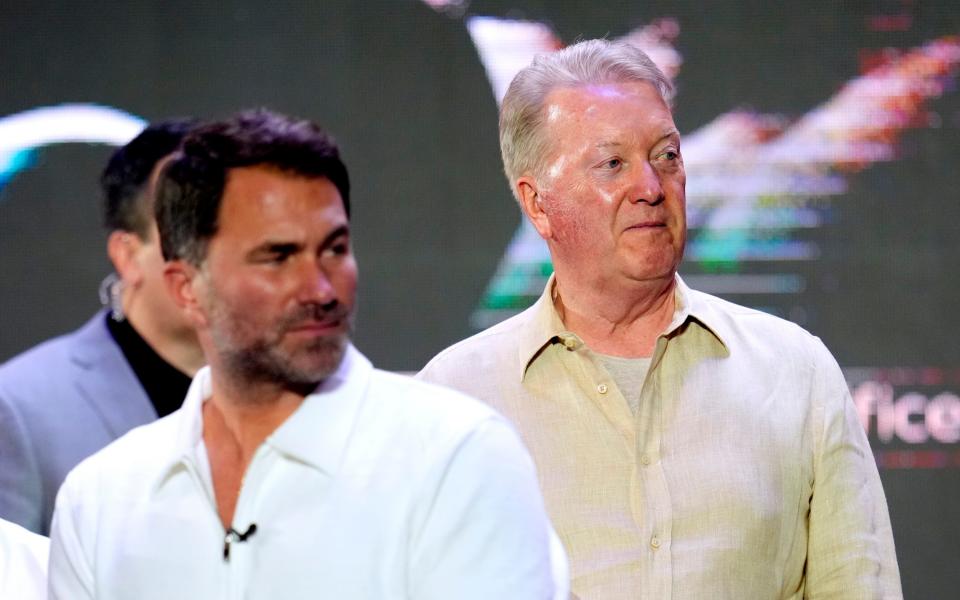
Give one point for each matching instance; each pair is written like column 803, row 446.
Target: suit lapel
column 106, row 381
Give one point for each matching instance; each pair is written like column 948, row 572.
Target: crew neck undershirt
column 629, row 375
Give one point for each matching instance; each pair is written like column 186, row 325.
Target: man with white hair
column 687, row 447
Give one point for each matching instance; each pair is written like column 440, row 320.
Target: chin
column 323, row 359
column 649, row 270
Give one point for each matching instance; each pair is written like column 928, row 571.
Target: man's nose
column 313, row 284
column 647, row 186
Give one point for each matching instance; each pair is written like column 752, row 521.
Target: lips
column 319, row 326
column 318, row 322
column 316, row 326
column 650, row 224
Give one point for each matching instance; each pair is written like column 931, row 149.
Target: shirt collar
column 543, row 324
column 317, row 433
column 695, row 306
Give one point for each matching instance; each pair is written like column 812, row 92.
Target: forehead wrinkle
column 669, row 133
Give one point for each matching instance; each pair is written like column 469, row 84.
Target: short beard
column 262, row 363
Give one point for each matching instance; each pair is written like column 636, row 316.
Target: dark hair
column 190, row 189
column 128, row 171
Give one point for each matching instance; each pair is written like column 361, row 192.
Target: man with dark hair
column 294, row 469
column 71, row 396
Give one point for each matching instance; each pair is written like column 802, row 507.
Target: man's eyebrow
column 275, row 247
column 668, row 133
column 343, row 230
column 607, row 144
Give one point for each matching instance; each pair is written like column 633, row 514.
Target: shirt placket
column 646, row 507
column 245, row 515
column 201, row 478
column 597, row 384
column 653, row 494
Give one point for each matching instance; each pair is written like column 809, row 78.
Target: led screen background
column 403, row 87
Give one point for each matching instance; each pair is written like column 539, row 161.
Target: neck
column 179, row 347
column 247, row 413
column 618, row 320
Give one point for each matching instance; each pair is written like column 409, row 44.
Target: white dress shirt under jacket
column 379, row 486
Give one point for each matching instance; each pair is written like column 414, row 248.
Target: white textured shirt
column 23, row 563
column 744, row 475
column 377, row 487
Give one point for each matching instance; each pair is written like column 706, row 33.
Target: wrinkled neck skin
column 616, row 318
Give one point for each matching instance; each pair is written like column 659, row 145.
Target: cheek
column 345, row 280
column 678, row 202
column 578, row 221
column 246, row 298
column 608, row 197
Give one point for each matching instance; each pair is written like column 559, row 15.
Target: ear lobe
column 181, row 279
column 531, row 202
column 122, row 248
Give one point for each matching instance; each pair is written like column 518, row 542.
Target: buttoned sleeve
column 70, row 571
column 483, row 532
column 850, row 551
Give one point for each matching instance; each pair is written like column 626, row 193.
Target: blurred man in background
column 68, row 397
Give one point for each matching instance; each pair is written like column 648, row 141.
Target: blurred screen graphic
column 820, row 142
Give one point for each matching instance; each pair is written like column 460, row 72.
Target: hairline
column 606, row 64
column 542, row 130
column 201, row 245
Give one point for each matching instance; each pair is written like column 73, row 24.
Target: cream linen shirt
column 378, row 487
column 745, row 474
column 23, row 563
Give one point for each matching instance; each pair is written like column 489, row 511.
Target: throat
column 228, row 462
column 614, row 326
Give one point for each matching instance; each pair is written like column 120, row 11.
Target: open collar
column 542, row 325
column 317, row 433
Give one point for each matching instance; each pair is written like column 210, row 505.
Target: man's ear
column 122, row 248
column 531, row 202
column 183, row 280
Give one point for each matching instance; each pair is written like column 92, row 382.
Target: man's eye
column 670, row 155
column 339, row 249
column 611, row 164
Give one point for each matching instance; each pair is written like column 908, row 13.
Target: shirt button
column 645, row 460
column 569, row 343
column 602, row 388
column 655, row 542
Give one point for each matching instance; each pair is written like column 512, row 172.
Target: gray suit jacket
column 60, row 402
